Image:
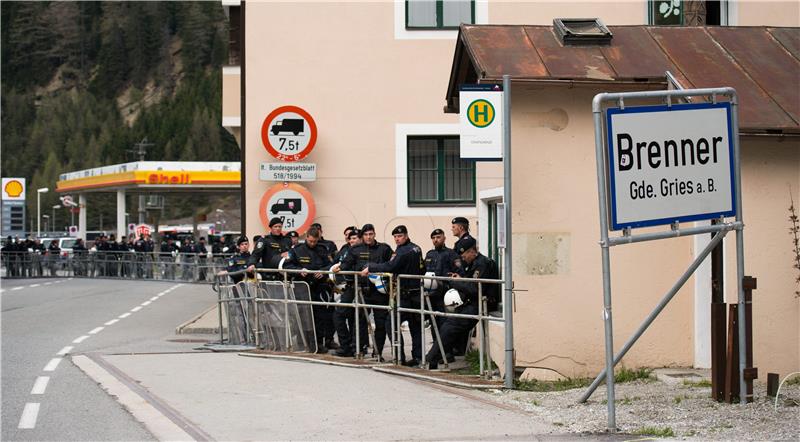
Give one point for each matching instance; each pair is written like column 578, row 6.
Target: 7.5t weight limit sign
column 289, row 133
column 669, row 164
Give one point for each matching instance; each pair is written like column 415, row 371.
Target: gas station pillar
column 122, row 228
column 82, row 216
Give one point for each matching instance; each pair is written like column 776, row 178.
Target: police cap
column 354, row 232
column 437, row 232
column 400, row 230
column 465, row 244
column 292, row 234
column 348, row 228
column 275, row 220
column 460, row 220
column 367, row 228
column 242, row 239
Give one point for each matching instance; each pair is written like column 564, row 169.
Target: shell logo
column 13, row 189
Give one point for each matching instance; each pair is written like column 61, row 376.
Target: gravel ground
column 686, row 409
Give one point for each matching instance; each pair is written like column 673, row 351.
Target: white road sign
column 292, row 203
column 669, row 164
column 289, row 133
column 288, row 172
column 481, row 121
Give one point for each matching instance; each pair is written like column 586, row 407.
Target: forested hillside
column 83, row 81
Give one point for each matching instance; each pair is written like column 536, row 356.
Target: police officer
column 239, row 261
column 294, row 237
column 406, row 260
column 330, row 245
column 371, row 252
column 474, row 265
column 440, row 260
column 270, row 249
column 344, row 317
column 308, row 257
column 78, row 257
column 460, row 229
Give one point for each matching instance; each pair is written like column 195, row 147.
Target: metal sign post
column 685, row 168
column 508, row 285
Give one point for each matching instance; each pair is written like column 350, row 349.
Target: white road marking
column 58, row 282
column 34, row 285
column 47, row 283
column 51, row 366
column 112, row 322
column 96, row 330
column 29, row 414
column 124, row 315
column 81, row 339
column 154, row 298
column 17, row 288
column 40, row 385
column 146, row 303
column 70, row 279
column 65, row 350
column 137, row 308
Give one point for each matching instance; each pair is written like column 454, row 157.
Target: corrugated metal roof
column 761, row 63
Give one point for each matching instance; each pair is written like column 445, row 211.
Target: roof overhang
column 761, row 63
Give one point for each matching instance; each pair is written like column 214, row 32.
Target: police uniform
column 441, row 262
column 239, row 262
column 305, row 257
column 344, row 317
column 407, row 260
column 268, row 250
column 360, row 257
column 454, row 329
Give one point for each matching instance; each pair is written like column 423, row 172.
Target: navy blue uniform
column 267, row 253
column 303, row 256
column 237, row 263
column 360, row 257
column 441, row 261
column 407, row 260
column 454, row 329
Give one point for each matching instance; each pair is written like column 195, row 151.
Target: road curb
column 185, row 327
column 165, row 423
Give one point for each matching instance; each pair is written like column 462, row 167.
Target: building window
column 436, row 173
column 688, row 13
column 439, row 14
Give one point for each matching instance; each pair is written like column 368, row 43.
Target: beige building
column 376, row 76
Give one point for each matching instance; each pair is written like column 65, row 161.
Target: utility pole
column 140, row 149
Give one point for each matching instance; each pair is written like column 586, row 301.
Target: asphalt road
column 44, row 317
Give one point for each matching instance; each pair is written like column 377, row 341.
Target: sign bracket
column 606, row 241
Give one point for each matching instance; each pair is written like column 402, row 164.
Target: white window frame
column 401, row 33
column 402, row 132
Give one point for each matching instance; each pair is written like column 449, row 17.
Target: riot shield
column 301, row 318
column 271, row 317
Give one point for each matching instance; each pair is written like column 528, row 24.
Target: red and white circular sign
column 292, row 203
column 289, row 133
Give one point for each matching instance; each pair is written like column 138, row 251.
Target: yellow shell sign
column 13, row 188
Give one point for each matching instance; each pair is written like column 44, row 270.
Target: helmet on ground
column 452, row 298
column 430, row 284
column 377, row 281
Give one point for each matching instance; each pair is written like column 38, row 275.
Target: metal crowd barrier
column 183, row 267
column 253, row 320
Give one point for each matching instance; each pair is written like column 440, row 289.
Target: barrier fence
column 183, row 267
column 276, row 314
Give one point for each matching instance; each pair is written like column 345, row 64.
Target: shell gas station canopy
column 142, row 177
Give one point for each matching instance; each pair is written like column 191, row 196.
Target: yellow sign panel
column 480, row 113
column 151, row 178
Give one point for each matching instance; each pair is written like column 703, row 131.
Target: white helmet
column 430, row 284
column 377, row 281
column 332, row 276
column 452, row 299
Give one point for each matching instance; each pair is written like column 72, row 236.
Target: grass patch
column 629, row 375
column 677, row 399
column 544, row 386
column 535, row 403
column 653, row 431
column 558, row 424
column 794, row 380
column 473, row 358
column 624, row 401
column 703, row 383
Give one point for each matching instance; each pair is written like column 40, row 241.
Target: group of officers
column 362, row 253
